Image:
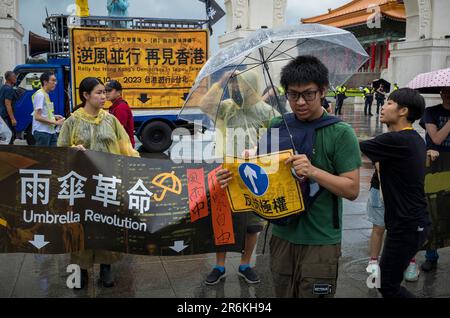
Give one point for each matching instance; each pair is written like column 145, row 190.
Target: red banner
column 220, row 212
column 198, row 204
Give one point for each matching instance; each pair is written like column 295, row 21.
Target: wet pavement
column 33, row 275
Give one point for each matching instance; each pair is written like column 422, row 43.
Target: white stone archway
column 11, row 34
column 246, row 16
column 427, row 44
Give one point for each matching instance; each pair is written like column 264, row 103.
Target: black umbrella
column 387, row 86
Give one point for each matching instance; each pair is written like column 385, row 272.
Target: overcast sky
column 32, row 12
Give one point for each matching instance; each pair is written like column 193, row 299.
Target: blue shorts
column 375, row 208
column 45, row 139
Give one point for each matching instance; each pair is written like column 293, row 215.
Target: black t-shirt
column 438, row 116
column 325, row 103
column 6, row 92
column 379, row 95
column 402, row 157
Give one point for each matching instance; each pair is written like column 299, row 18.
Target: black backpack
column 303, row 134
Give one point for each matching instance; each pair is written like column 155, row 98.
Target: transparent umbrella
column 228, row 91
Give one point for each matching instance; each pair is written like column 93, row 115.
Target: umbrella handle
column 296, row 176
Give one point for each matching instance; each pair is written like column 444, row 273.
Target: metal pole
column 266, row 68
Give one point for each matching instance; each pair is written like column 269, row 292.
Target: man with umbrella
column 382, row 88
column 304, row 255
column 238, row 120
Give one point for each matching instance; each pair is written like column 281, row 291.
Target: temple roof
column 355, row 13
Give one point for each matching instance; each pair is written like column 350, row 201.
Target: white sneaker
column 373, row 268
column 412, row 273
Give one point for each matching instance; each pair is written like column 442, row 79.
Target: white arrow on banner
column 250, row 174
column 178, row 246
column 39, row 241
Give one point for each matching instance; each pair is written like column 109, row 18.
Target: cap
column 113, row 84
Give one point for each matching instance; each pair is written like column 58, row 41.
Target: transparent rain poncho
column 240, row 115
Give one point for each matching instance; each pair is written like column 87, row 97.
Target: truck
column 156, row 61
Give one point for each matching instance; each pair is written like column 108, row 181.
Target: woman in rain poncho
column 90, row 127
column 238, row 120
column 239, row 117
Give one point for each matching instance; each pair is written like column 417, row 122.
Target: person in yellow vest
column 340, row 96
column 395, row 87
column 368, row 99
column 44, row 119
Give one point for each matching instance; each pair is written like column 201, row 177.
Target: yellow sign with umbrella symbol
column 174, row 182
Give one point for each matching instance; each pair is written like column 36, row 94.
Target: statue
column 8, row 9
column 118, row 8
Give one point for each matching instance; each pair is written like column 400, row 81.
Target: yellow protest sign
column 156, row 67
column 264, row 185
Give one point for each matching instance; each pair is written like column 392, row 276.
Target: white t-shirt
column 40, row 102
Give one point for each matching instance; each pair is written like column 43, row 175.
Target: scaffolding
column 57, row 26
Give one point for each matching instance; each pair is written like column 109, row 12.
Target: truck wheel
column 29, row 136
column 156, row 136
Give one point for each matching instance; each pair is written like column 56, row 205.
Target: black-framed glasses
column 308, row 96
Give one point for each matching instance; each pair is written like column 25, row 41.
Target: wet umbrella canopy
column 386, row 85
column 432, row 82
column 238, row 74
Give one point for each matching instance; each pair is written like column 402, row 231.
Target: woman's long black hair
column 87, row 85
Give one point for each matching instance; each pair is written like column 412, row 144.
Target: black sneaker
column 249, row 275
column 106, row 276
column 214, row 277
column 428, row 266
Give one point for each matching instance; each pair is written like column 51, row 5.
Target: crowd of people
column 304, row 253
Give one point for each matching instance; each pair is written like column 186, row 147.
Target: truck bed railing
column 57, row 27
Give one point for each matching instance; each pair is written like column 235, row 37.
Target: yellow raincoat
column 101, row 133
column 246, row 119
column 249, row 117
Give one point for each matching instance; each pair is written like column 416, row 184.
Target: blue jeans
column 431, row 255
column 45, row 139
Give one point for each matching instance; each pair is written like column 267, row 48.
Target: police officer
column 36, row 84
column 368, row 99
column 340, row 96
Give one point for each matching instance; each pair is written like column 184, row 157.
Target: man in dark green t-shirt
column 305, row 254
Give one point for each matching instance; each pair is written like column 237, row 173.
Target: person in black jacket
column 380, row 96
column 401, row 154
